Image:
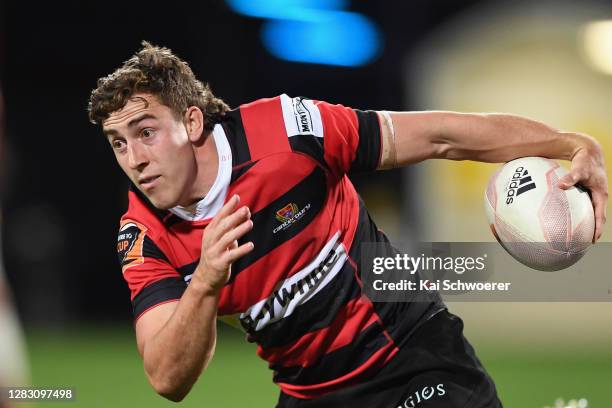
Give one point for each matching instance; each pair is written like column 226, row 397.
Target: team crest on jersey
column 287, row 212
column 130, row 243
column 288, row 215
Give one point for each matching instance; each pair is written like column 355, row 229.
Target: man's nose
column 137, row 156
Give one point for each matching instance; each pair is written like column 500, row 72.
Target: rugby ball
column 539, row 224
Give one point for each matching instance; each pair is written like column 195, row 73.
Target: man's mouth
column 147, row 182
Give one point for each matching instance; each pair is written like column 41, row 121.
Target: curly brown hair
column 155, row 70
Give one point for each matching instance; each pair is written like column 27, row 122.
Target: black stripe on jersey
column 234, row 130
column 337, row 363
column 317, row 313
column 240, row 170
column 309, row 194
column 188, row 269
column 158, row 292
column 151, row 250
column 399, row 318
column 310, row 145
column 368, row 150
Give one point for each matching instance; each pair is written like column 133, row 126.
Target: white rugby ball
column 539, row 224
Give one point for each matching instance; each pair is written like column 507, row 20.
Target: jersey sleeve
column 343, row 139
column 150, row 277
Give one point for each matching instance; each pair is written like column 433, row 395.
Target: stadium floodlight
column 332, row 38
column 283, row 9
column 314, row 31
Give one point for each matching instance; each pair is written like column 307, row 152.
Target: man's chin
column 162, row 205
column 159, row 203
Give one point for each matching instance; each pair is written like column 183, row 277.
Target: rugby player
column 249, row 212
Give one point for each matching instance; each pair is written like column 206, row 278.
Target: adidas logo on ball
column 547, row 229
column 520, row 183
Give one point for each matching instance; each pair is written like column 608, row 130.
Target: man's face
column 153, row 148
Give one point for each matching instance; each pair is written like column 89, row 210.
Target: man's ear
column 194, row 123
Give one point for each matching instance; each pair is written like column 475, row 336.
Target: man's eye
column 118, row 144
column 148, row 132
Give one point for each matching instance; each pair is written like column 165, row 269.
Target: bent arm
column 177, row 341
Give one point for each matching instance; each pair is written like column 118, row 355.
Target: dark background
column 63, row 193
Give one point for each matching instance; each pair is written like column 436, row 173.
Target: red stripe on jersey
column 373, row 364
column 341, row 136
column 263, row 184
column 347, row 325
column 184, row 243
column 151, row 271
column 360, row 283
column 268, row 136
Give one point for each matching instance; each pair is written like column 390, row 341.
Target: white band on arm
column 392, row 147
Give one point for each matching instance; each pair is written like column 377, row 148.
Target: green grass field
column 103, row 366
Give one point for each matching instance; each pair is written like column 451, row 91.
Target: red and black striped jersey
column 298, row 293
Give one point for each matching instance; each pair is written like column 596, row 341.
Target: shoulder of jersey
column 139, row 228
column 269, row 123
column 142, row 213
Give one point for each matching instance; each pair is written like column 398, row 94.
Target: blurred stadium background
column 62, row 193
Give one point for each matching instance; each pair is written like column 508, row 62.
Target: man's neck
column 207, row 165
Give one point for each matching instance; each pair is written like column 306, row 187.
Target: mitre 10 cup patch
column 129, row 244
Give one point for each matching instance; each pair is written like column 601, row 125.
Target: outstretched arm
column 411, row 137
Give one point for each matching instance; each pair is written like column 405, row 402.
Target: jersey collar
column 210, row 205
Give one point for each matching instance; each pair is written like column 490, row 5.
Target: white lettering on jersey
column 299, row 288
column 301, row 116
